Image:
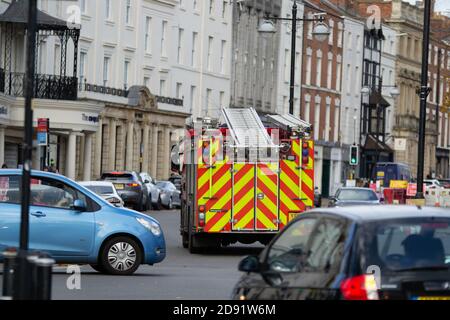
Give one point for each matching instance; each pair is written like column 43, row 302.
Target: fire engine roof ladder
column 288, row 121
column 246, row 128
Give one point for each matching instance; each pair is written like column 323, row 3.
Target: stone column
column 145, row 158
column 154, row 152
column 71, row 155
column 112, row 145
column 2, row 145
column 130, row 146
column 98, row 150
column 87, row 156
column 166, row 155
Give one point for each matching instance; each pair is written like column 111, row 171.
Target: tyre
column 170, row 205
column 98, row 268
column 158, row 205
column 139, row 206
column 185, row 240
column 148, row 205
column 120, row 256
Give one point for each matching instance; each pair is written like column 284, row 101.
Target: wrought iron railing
column 46, row 86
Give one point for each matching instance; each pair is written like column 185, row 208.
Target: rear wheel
column 139, row 206
column 185, row 239
column 158, row 205
column 121, row 256
column 170, row 205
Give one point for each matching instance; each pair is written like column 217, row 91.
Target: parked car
column 354, row 253
column 131, row 189
column 153, row 190
column 445, row 183
column 347, row 196
column 76, row 226
column 106, row 190
column 170, row 196
column 317, row 198
column 432, row 184
column 176, row 180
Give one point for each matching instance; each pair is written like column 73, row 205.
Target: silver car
column 153, row 190
column 170, row 196
column 106, row 190
column 354, row 197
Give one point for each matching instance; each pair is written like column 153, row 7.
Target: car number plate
column 431, row 298
column 119, row 186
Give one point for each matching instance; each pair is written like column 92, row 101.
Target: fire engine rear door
column 243, row 196
column 267, row 196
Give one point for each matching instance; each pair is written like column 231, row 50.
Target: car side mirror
column 79, row 205
column 250, row 264
column 146, row 181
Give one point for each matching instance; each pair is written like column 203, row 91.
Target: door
column 243, row 196
column 55, row 227
column 326, row 178
column 267, row 218
column 9, row 212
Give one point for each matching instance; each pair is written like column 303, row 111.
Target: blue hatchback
column 74, row 225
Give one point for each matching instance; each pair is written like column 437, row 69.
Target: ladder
column 246, row 128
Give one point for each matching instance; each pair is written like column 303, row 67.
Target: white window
column 297, row 68
column 126, row 72
column 179, row 90
column 316, row 121
column 224, row 9
column 357, row 80
column 193, row 98
column 286, row 65
column 163, row 39
column 195, row 4
column 285, row 105
column 42, row 65
column 349, row 79
column 307, row 111
column 308, row 68
column 223, row 56
column 211, row 7
column 319, row 69
column 148, row 24
column 358, row 43
column 162, row 87
column 106, row 66
column 147, row 81
column 329, row 72
column 208, row 102
column 180, row 46
column 336, row 123
column 330, row 37
column 82, row 66
column 194, row 49
column 327, row 122
column 107, row 9
column 222, row 99
column 340, row 33
column 128, row 12
column 338, row 75
column 57, row 57
column 83, row 6
column 349, row 40
column 210, row 49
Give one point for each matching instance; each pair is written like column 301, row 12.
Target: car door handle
column 38, row 214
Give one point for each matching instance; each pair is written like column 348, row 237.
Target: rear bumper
column 130, row 197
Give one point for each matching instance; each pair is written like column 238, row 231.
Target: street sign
column 398, row 184
column 400, row 144
column 42, row 138
column 42, row 131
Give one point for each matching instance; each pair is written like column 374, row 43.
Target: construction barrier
column 394, row 196
column 437, row 198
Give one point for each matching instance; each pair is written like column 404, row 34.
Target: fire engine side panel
column 307, row 175
column 243, row 197
column 267, row 196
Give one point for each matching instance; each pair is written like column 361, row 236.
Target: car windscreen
column 357, row 195
column 162, row 184
column 116, row 177
column 101, row 190
column 407, row 244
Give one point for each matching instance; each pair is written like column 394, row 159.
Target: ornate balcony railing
column 46, row 86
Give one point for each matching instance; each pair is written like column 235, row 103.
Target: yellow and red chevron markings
column 267, row 206
column 307, row 177
column 244, row 197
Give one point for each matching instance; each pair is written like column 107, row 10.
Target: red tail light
column 360, row 288
column 202, row 208
column 201, row 219
column 133, row 185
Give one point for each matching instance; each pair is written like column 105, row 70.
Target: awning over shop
column 373, row 144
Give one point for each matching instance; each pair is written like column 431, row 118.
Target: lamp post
column 424, row 91
column 320, row 32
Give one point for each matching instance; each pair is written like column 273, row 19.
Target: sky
column 441, row 5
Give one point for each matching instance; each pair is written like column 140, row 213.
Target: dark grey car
column 353, row 197
column 131, row 188
column 170, row 195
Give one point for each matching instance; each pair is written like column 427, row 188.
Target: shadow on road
column 232, row 251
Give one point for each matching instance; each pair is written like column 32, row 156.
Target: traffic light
column 354, row 155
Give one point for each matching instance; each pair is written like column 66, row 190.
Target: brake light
column 133, row 185
column 201, row 219
column 360, row 288
column 305, row 153
column 202, row 208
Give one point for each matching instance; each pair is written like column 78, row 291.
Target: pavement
column 208, row 276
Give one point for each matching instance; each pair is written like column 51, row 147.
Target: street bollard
column 44, row 267
column 8, row 273
column 32, row 259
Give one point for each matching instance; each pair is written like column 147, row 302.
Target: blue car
column 74, row 225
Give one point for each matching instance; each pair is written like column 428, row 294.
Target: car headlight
column 150, row 225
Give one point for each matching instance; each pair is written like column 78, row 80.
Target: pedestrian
column 4, row 166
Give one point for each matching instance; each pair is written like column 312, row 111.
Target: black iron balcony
column 46, row 86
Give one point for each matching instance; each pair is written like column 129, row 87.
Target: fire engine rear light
column 201, row 219
column 202, row 208
column 305, row 145
column 305, row 160
column 360, row 288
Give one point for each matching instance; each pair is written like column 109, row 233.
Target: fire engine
column 242, row 180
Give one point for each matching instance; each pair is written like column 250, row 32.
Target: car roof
column 384, row 212
column 8, row 172
column 96, row 183
column 354, row 188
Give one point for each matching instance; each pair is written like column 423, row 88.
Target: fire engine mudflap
column 243, row 182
